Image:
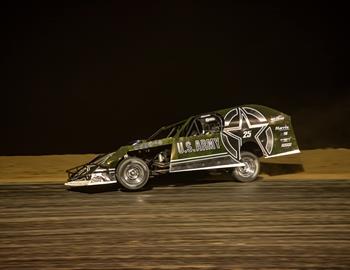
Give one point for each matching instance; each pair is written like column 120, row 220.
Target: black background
column 82, row 78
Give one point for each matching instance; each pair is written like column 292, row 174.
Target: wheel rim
column 134, row 174
column 249, row 168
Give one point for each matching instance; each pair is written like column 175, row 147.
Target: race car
column 230, row 139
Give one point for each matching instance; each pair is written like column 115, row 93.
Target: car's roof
column 221, row 112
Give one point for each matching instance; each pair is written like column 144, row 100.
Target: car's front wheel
column 132, row 173
column 249, row 172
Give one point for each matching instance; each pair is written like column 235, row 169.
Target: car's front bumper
column 97, row 177
column 84, row 183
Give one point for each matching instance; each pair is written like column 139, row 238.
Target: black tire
column 250, row 171
column 132, row 173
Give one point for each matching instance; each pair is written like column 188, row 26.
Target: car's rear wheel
column 249, row 172
column 132, row 173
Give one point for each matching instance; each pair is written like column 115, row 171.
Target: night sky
column 88, row 78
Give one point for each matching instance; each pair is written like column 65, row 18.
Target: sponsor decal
column 209, row 119
column 286, row 139
column 276, row 118
column 148, row 144
column 282, row 128
column 284, row 145
column 198, row 145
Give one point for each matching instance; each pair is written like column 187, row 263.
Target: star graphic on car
column 242, row 123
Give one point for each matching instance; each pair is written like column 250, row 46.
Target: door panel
column 201, row 146
column 199, row 153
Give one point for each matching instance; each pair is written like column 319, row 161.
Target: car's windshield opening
column 165, row 132
column 162, row 133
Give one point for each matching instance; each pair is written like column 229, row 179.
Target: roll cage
column 201, row 124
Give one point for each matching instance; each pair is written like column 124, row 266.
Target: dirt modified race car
column 231, row 139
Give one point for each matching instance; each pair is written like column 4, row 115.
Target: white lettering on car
column 198, row 146
column 247, row 134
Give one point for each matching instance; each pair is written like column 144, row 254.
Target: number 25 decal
column 247, row 134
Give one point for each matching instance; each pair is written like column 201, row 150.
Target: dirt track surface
column 178, row 225
column 318, row 164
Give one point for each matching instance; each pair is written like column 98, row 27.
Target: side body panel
column 270, row 130
column 199, row 153
column 204, row 149
column 285, row 142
